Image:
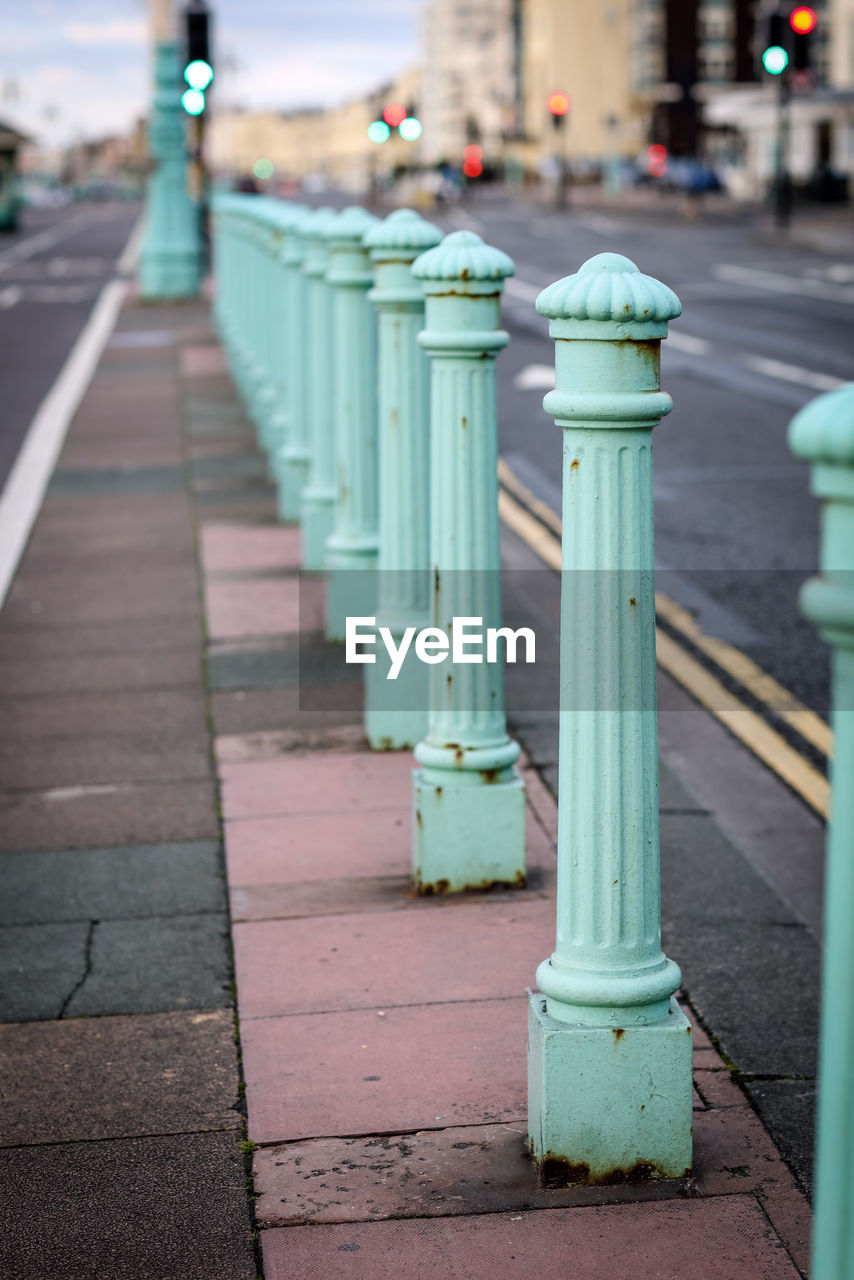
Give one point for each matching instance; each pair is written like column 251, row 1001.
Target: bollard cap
column 463, row 256
column 823, row 431
column 349, row 226
column 609, row 290
column 317, row 221
column 402, row 236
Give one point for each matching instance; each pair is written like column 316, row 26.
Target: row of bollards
column 394, row 420
column 365, row 353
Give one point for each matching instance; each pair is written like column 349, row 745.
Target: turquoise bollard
column 823, row 433
column 351, row 548
column 468, row 799
column 292, row 457
column 170, row 264
column 609, row 1049
column 317, row 507
column 396, row 710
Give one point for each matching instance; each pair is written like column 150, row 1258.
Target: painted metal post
column 396, row 710
column 317, row 507
column 170, row 264
column 292, row 456
column 351, row 548
column 469, row 800
column 609, row 1049
column 823, row 433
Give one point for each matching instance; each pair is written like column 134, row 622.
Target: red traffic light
column 802, row 20
column 558, row 104
column 656, row 158
column 394, row 114
column 472, row 152
column 472, row 167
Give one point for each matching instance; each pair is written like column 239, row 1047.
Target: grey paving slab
column 107, row 814
column 89, row 761
column 122, row 672
column 787, row 1108
column 97, row 481
column 155, row 965
column 102, row 884
column 164, row 1208
column 119, row 1077
column 40, row 965
column 143, row 636
column 93, row 596
column 755, row 986
column 170, row 712
column 241, row 464
column 260, row 709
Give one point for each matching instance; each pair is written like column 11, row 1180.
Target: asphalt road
column 51, row 273
column 763, row 327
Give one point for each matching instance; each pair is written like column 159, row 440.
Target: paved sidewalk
column 382, row 1036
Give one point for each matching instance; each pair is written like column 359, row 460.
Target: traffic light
column 394, row 113
column 558, row 105
column 378, row 131
column 775, row 57
column 198, row 66
column 802, row 21
column 472, row 160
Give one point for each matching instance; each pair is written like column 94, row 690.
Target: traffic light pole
column 170, row 262
column 782, row 180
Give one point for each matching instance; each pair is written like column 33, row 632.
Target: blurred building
column 583, row 50
column 820, row 152
column 329, row 145
column 469, row 77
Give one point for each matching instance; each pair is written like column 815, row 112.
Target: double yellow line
column 538, row 526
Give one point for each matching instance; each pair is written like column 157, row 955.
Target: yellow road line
column 540, row 509
column 743, row 723
column 751, row 676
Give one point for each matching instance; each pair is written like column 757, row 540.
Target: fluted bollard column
column 469, row 800
column 170, row 264
column 292, row 457
column 351, row 548
column 823, row 433
column 396, row 710
column 269, row 318
column 609, row 1049
column 317, row 507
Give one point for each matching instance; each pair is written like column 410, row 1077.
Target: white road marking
column 686, row 342
column 8, row 297
column 600, row 222
column 522, row 289
column 45, row 239
column 130, row 254
column 754, row 278
column 535, row 377
column 792, row 373
column 24, row 490
column 465, row 221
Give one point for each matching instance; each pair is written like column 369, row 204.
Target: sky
column 79, row 68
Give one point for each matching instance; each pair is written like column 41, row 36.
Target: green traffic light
column 775, row 60
column 193, row 102
column 198, row 74
column 378, row 131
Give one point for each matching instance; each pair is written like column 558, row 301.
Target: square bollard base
column 351, row 592
column 318, row 519
column 609, row 1104
column 468, row 836
column 396, row 710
